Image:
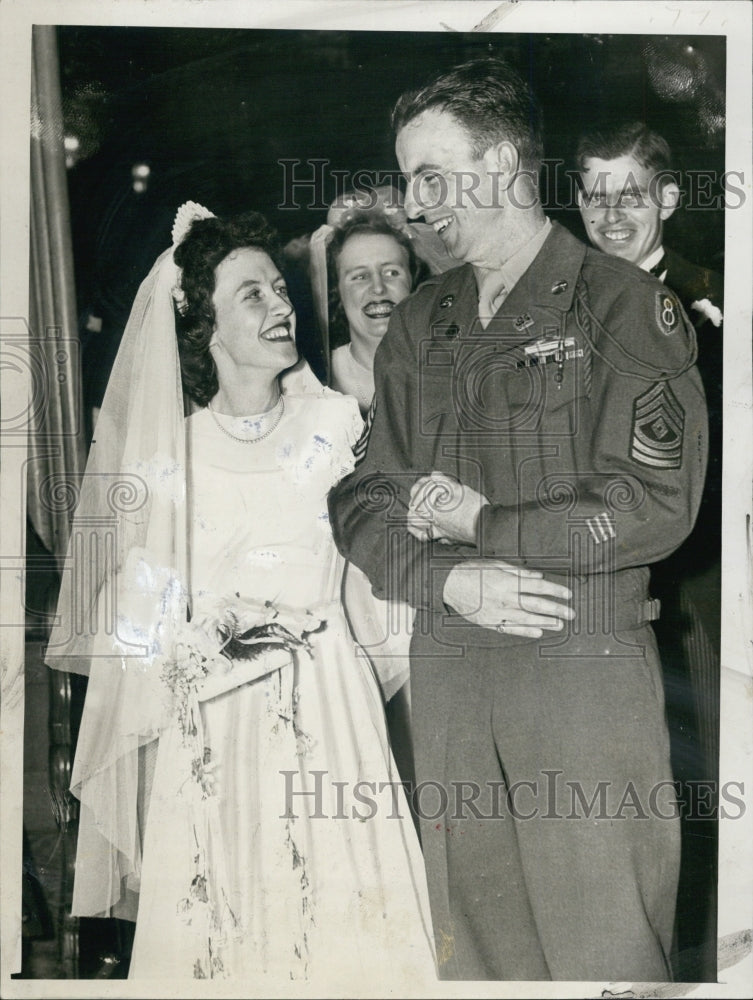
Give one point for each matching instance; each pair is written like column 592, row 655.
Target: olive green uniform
column 579, row 414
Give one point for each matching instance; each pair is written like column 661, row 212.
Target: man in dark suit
column 628, row 191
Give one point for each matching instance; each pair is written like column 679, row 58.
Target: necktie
column 492, row 294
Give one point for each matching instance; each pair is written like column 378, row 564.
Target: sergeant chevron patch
column 658, row 424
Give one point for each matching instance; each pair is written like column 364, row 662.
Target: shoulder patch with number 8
column 667, row 313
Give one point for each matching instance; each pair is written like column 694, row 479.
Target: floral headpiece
column 187, row 214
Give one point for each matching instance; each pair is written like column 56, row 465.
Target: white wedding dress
column 326, row 886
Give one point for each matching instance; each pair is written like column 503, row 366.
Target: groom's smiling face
column 453, row 189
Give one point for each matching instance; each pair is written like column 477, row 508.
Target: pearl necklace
column 279, row 405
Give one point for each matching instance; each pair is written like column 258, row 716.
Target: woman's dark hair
column 207, row 243
column 362, row 224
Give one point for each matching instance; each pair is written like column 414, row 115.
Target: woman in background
column 373, row 261
column 374, row 267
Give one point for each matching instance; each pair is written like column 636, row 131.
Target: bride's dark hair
column 207, row 243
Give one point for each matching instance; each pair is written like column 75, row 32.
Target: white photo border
column 731, row 18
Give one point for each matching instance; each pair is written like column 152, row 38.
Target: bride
column 238, row 795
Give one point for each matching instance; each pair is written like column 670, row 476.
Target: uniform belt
column 604, row 606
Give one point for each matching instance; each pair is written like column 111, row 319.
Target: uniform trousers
column 565, row 864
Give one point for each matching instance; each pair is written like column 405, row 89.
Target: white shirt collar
column 652, row 259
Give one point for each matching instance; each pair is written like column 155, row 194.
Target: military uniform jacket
column 578, row 413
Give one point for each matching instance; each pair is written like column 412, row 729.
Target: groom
column 538, row 434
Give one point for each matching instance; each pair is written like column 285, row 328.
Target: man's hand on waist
column 505, row 598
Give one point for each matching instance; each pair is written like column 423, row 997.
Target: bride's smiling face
column 254, row 319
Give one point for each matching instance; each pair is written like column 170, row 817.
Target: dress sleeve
column 350, row 425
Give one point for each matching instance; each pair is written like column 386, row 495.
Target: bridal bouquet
column 236, row 642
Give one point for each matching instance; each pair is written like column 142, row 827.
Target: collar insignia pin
column 523, row 322
column 558, row 287
column 446, row 302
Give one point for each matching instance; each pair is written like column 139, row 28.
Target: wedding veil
column 124, row 595
column 124, row 589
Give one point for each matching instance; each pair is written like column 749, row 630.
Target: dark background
column 212, row 111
